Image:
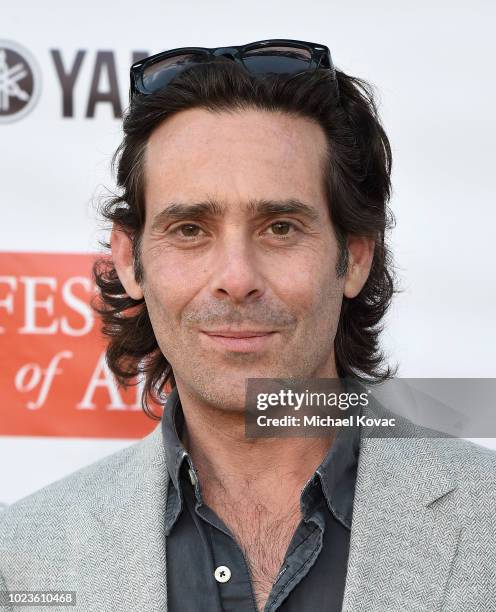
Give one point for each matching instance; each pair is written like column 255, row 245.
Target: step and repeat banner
column 64, row 74
column 58, row 382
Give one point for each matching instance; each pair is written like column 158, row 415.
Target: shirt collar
column 172, row 429
column 175, row 456
column 336, row 473
column 338, row 470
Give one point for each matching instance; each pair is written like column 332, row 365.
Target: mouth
column 239, row 341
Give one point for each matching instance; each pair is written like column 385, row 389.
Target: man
column 248, row 243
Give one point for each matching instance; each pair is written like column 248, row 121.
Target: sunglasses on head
column 264, row 57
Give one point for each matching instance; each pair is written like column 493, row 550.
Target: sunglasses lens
column 277, row 60
column 159, row 74
column 258, row 60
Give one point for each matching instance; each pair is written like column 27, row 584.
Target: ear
column 361, row 254
column 122, row 256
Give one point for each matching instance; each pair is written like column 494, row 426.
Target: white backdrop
column 433, row 65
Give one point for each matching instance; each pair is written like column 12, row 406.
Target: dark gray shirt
column 206, row 568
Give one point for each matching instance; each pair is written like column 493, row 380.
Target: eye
column 187, row 231
column 282, row 229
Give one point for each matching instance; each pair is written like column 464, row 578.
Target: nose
column 237, row 271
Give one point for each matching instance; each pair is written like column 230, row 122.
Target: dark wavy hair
column 358, row 189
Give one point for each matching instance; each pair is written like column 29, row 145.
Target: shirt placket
column 303, row 551
column 230, row 569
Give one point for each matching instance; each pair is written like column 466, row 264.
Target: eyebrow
column 211, row 208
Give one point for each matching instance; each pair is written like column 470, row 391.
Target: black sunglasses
column 264, row 57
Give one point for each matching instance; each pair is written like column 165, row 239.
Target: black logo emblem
column 20, row 82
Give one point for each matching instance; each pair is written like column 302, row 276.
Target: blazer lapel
column 405, row 530
column 127, row 533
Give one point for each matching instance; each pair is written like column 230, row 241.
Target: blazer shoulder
column 473, row 469
column 473, row 460
column 465, row 459
column 94, row 484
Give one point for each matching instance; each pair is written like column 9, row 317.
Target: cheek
column 308, row 281
column 323, row 299
column 167, row 292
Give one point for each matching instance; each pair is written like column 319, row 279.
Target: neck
column 225, row 458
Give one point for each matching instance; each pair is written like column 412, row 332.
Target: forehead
column 235, row 156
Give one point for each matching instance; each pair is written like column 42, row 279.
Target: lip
column 243, row 333
column 240, row 341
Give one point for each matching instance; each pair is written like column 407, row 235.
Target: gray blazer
column 423, row 536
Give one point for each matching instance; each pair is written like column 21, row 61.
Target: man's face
column 237, row 263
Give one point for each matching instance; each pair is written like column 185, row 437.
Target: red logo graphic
column 54, row 378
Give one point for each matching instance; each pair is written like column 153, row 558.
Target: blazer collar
column 127, row 520
column 405, row 526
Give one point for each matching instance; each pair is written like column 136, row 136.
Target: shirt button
column 222, row 573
